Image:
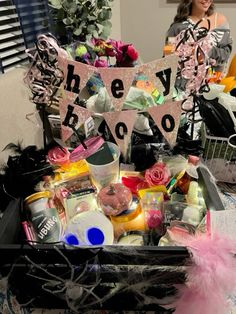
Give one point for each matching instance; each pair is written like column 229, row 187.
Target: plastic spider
column 72, row 289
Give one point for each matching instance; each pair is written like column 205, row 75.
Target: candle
column 131, row 238
column 130, row 220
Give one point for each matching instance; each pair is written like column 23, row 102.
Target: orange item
column 229, row 82
column 168, row 49
column 216, row 77
column 129, row 221
column 184, row 183
column 232, row 67
column 146, row 86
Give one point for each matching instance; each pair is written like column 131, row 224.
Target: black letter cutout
column 118, row 127
column 165, row 82
column 80, row 102
column 72, row 77
column 165, row 118
column 117, row 88
column 70, row 115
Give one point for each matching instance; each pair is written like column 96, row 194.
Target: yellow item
column 151, row 200
column 130, row 221
column 155, row 94
column 158, row 188
column 71, row 170
column 232, row 67
column 36, row 196
column 229, row 83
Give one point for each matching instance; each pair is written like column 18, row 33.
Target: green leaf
column 77, row 31
column 84, row 18
column 88, row 37
column 95, row 33
column 92, row 18
column 68, row 21
column 106, row 14
column 82, row 24
column 73, row 8
column 55, row 4
column 101, row 15
column 69, row 6
column 61, row 14
column 99, row 27
column 106, row 32
column 106, row 23
column 100, row 4
column 91, row 28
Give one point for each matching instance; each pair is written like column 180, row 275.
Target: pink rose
column 58, row 156
column 158, row 174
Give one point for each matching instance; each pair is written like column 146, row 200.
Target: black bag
column 216, row 117
column 10, row 226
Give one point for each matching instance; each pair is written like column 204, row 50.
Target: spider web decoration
column 107, row 278
column 110, row 278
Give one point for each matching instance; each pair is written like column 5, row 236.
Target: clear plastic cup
column 103, row 175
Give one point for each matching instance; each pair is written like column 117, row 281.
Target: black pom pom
column 24, row 169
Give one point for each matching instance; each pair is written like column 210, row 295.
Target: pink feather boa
column 211, row 279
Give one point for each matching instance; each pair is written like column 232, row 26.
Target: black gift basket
column 97, row 278
column 110, row 278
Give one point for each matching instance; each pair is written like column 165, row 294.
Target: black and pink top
column 221, row 37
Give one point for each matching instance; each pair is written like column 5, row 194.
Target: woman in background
column 190, row 12
column 201, row 37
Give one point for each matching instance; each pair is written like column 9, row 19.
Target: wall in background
column 145, row 22
column 15, row 105
column 116, row 20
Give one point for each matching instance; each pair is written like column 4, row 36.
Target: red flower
column 158, row 174
column 99, row 63
column 58, row 156
column 132, row 53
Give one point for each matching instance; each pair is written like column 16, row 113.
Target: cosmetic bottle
column 183, row 181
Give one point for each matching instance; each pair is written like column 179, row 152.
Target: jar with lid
column 43, row 216
column 188, row 175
